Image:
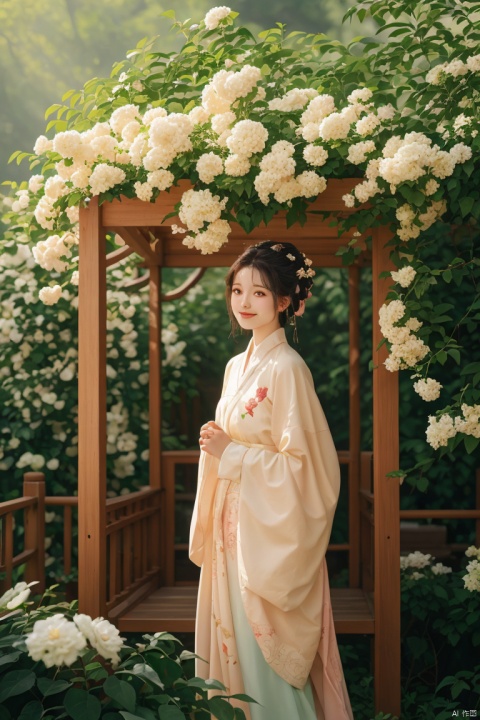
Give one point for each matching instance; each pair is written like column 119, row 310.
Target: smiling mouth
column 247, row 315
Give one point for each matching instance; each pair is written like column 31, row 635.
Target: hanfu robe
column 260, row 529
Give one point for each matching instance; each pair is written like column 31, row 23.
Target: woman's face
column 253, row 304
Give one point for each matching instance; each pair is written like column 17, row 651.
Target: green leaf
column 129, row 716
column 81, row 705
column 170, row 712
column 49, row 686
column 10, row 658
column 31, row 711
column 466, row 204
column 471, row 443
column 222, row 709
column 120, row 691
column 16, row 682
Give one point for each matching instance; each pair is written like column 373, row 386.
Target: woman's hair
column 284, row 270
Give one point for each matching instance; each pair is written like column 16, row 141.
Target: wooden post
column 92, row 413
column 354, row 428
column 157, row 539
column 34, row 519
column 386, row 500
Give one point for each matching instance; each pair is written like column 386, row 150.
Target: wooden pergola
column 126, row 544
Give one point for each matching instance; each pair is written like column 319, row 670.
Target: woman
column 269, row 481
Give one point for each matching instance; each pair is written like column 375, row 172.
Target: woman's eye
column 259, row 292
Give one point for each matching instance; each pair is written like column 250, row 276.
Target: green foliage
column 152, row 680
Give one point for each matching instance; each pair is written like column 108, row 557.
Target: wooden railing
column 32, row 555
column 140, row 542
column 133, row 548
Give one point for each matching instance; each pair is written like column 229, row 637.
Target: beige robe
column 283, row 457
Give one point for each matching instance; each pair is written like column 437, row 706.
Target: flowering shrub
column 260, row 126
column 58, row 663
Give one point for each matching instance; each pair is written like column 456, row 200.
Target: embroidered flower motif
column 251, row 404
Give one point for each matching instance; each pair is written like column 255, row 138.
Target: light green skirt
column 278, row 700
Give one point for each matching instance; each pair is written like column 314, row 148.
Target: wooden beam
column 354, row 427
column 131, row 212
column 386, row 505
column 138, row 242
column 92, row 413
column 155, row 400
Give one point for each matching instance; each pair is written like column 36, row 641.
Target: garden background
column 44, row 51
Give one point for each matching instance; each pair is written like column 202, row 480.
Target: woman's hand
column 213, row 440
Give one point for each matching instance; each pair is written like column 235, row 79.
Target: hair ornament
column 302, row 273
column 277, row 247
column 291, row 257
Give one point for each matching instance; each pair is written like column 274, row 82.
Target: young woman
column 269, row 481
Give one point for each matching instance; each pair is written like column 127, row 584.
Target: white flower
column 294, row 99
column 428, row 389
column 434, row 75
column 247, row 137
column 42, row 145
column 208, row 241
column 431, row 187
column 198, row 115
column 311, row 184
column 455, row 68
column 53, row 464
column 56, row 641
column 17, row 595
column 143, row 191
column 35, row 183
column 317, row 110
column 122, row 116
column 473, row 63
column 460, row 153
column 440, row 430
column 105, row 177
column 357, row 153
column 161, row 179
column 209, row 166
column 404, row 276
column 222, row 122
column 150, row 115
column 199, row 207
column 334, row 127
column 102, row 636
column 50, row 295
column 315, row 155
column 386, row 112
column 440, row 569
column 361, row 95
column 416, row 560
column 469, row 424
column 472, row 579
column 237, row 166
column 215, row 15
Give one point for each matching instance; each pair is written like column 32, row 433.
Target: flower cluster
column 413, row 562
column 277, row 176
column 200, row 208
column 441, row 429
column 455, row 68
column 58, row 641
column 428, row 389
column 404, row 276
column 406, row 349
column 472, row 578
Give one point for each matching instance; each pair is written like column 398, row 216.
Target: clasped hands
column 213, row 440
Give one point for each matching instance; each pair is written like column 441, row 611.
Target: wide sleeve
column 202, row 517
column 288, row 496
